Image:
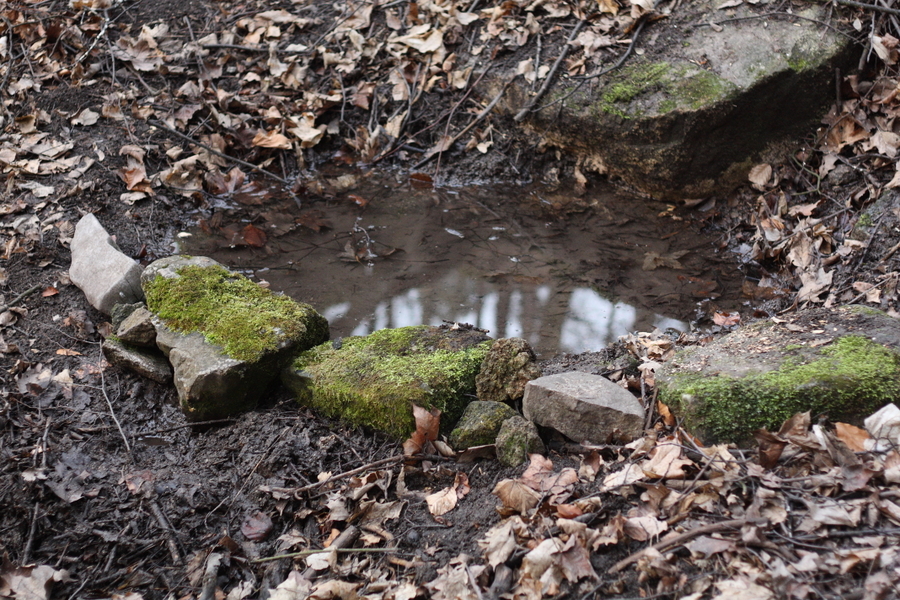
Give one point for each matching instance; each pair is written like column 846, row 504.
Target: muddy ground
column 100, row 474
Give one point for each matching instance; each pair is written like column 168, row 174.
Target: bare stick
column 680, row 539
column 487, row 109
column 884, row 9
column 20, row 297
column 551, row 75
column 244, row 163
column 345, row 474
column 111, row 411
column 167, row 530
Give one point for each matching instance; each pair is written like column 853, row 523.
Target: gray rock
column 137, row 328
column 841, row 363
column 692, row 115
column 518, row 437
column 509, row 365
column 479, row 424
column 120, row 312
column 147, row 363
column 583, row 407
column 226, row 338
column 105, row 275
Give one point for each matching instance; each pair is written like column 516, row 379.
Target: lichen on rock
column 374, row 380
column 480, row 423
column 508, row 367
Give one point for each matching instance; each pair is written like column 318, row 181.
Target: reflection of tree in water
column 551, row 320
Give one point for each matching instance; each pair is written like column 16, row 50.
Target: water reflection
column 552, row 320
column 568, row 275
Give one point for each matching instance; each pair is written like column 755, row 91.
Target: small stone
column 137, row 329
column 105, row 275
column 479, row 424
column 518, row 437
column 583, row 407
column 508, row 367
column 144, row 362
column 120, row 312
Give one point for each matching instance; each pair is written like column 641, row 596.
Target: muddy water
column 567, row 273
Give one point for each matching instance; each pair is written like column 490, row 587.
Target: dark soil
column 100, row 474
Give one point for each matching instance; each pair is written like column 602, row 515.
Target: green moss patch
column 374, row 380
column 850, row 380
column 231, row 311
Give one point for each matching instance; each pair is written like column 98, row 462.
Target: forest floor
column 125, row 110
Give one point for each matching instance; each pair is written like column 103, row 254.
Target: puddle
column 567, row 274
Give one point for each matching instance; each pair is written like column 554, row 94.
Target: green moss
column 701, row 88
column 853, row 377
column 864, row 220
column 375, row 380
column 231, row 311
column 632, row 83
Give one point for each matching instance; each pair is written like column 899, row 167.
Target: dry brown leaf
column 760, row 175
column 855, row 437
column 271, row 139
column 516, row 496
column 666, row 462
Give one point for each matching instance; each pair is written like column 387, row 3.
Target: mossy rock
column 374, row 380
column 480, row 424
column 842, row 364
column 226, row 337
column 198, row 295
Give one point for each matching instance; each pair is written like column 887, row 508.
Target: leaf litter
column 812, row 512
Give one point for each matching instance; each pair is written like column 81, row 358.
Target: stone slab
column 105, row 275
column 583, row 407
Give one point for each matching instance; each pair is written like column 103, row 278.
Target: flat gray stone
column 105, row 275
column 583, row 407
column 146, row 363
column 137, row 328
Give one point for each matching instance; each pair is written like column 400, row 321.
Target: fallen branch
column 682, row 538
column 20, row 297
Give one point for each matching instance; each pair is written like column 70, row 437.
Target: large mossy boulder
column 226, row 337
column 374, row 380
column 690, row 115
column 842, row 364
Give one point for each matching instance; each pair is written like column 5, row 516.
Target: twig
column 20, row 297
column 345, row 474
column 347, row 538
column 341, row 550
column 32, row 529
column 602, row 72
column 244, row 163
column 452, row 112
column 113, row 412
column 682, row 538
column 884, row 9
column 167, row 531
column 487, row 109
column 551, row 75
